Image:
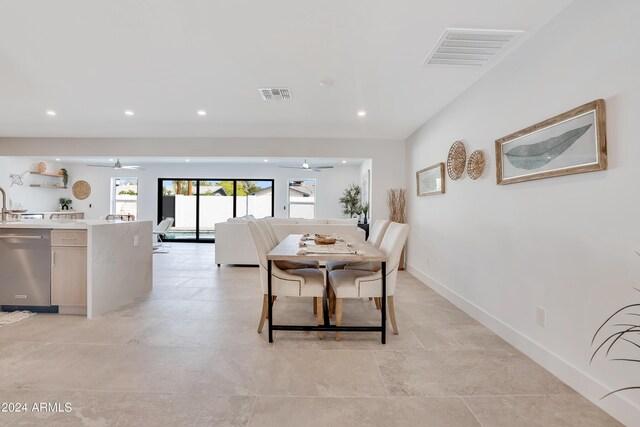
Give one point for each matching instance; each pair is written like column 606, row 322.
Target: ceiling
column 165, row 59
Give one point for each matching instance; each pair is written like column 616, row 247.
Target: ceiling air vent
column 275, row 94
column 469, row 48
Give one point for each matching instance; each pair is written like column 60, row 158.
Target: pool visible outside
column 189, row 234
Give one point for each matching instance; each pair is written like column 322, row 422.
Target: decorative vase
column 65, row 207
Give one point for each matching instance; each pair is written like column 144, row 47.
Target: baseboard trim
column 616, row 405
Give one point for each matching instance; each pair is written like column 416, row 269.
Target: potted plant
column 64, row 203
column 350, row 200
column 65, row 176
column 365, row 210
column 616, row 340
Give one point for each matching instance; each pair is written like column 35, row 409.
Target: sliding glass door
column 178, row 200
column 216, row 205
column 254, row 198
column 198, row 204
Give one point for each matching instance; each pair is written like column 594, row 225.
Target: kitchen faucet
column 4, row 204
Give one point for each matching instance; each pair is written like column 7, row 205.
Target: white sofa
column 234, row 244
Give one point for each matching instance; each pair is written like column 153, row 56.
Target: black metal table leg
column 325, row 307
column 270, row 301
column 383, row 303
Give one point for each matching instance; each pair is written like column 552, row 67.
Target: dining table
column 298, row 247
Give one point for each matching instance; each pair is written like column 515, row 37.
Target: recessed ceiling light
column 344, row 161
column 202, row 113
column 187, row 160
column 128, row 112
column 51, row 113
column 266, row 160
column 362, row 113
column 57, row 160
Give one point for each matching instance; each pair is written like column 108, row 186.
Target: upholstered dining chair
column 270, row 235
column 273, row 240
column 375, row 238
column 347, row 283
column 292, row 282
column 271, row 231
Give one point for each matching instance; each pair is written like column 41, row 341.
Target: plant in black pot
column 365, row 211
column 64, row 203
column 350, row 200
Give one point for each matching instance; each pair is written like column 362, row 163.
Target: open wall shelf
column 46, row 174
column 48, row 186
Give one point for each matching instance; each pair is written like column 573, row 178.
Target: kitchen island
column 91, row 266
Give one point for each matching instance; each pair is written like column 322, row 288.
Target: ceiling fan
column 307, row 167
column 117, row 165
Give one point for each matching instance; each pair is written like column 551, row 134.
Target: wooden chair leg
column 332, row 301
column 392, row 314
column 265, row 313
column 315, row 305
column 338, row 317
column 319, row 315
column 376, row 300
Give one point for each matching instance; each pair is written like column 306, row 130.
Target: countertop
column 70, row 211
column 61, row 224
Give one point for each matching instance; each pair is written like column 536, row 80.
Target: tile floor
column 188, row 354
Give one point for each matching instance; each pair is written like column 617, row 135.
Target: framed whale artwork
column 572, row 142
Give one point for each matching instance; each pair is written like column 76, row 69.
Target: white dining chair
column 347, row 283
column 375, row 238
column 269, row 234
column 271, row 231
column 301, row 282
column 273, row 240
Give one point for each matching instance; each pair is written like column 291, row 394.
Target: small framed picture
column 430, row 181
column 572, row 142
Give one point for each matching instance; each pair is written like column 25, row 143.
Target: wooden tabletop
column 288, row 249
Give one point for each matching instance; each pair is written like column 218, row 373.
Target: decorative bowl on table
column 324, row 240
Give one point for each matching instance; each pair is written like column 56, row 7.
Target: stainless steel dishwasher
column 25, row 267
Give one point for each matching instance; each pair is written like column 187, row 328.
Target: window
column 302, row 198
column 124, row 196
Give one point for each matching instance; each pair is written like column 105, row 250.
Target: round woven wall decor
column 476, row 164
column 457, row 160
column 81, row 190
column 42, row 167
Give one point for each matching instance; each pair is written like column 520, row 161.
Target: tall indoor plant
column 350, row 200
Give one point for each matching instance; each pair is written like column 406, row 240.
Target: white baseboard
column 616, row 405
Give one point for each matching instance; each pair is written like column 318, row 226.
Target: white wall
column 565, row 244
column 33, row 198
column 330, row 184
column 387, row 155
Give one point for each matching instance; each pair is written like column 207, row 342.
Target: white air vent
column 469, row 48
column 275, row 94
